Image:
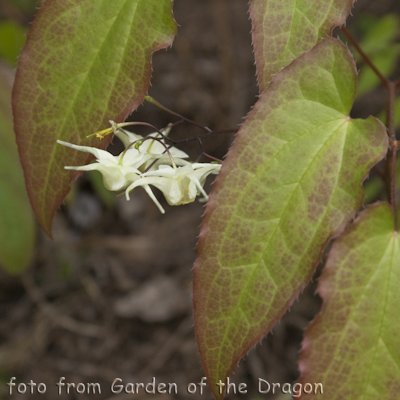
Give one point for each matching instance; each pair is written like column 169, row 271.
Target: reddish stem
column 395, row 147
column 391, row 161
column 384, row 80
column 212, row 158
column 390, row 110
column 156, row 103
column 391, row 86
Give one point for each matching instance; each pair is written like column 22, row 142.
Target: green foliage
column 385, row 61
column 17, row 228
column 27, row 6
column 378, row 32
column 373, row 188
column 84, row 64
column 283, row 31
column 379, row 44
column 359, row 325
column 266, row 229
column 12, row 39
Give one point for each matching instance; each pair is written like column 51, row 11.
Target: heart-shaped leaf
column 85, row 62
column 353, row 347
column 283, row 30
column 291, row 181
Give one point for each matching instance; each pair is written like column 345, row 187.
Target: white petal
column 177, row 153
column 133, row 158
column 199, row 186
column 170, row 188
column 203, row 170
column 155, row 147
column 163, row 161
column 151, row 195
column 162, row 171
column 146, row 187
column 98, row 153
column 127, row 137
column 113, row 177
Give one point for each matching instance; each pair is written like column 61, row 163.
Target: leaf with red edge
column 85, row 62
column 291, row 182
column 285, row 29
column 353, row 347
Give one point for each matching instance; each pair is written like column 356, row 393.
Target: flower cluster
column 149, row 161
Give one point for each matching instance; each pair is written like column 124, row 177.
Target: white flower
column 146, row 161
column 179, row 185
column 117, row 173
column 154, row 147
column 120, row 171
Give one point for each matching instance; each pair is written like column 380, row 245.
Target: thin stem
column 154, row 162
column 390, row 111
column 393, row 182
column 205, row 154
column 150, row 138
column 212, row 158
column 156, row 103
column 390, row 124
column 114, row 128
column 384, row 80
column 397, row 83
column 200, row 144
column 205, row 134
column 391, row 161
column 171, row 125
column 223, row 131
column 143, row 124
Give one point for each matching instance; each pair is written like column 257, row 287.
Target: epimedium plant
column 291, row 182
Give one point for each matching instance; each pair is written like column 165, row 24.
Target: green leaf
column 385, row 61
column 12, row 39
column 373, row 187
column 17, row 228
column 283, row 30
column 27, row 7
column 85, row 62
column 353, row 347
column 291, row 182
column 379, row 45
column 380, row 34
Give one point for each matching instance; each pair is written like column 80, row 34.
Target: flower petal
column 114, row 178
column 146, row 187
column 127, row 137
column 98, row 153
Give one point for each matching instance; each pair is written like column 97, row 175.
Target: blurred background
column 111, row 295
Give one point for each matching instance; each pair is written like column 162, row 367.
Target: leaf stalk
column 156, row 103
column 354, row 42
column 391, row 87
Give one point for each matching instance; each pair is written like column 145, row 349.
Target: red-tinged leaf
column 17, row 226
column 291, row 181
column 85, row 62
column 353, row 347
column 283, row 30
